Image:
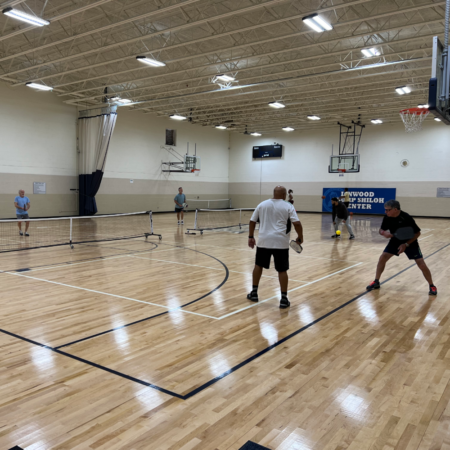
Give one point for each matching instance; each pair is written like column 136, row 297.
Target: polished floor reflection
column 152, row 344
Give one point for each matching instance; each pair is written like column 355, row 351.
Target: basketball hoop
column 413, row 118
column 196, row 172
column 342, row 170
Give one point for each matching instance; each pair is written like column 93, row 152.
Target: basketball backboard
column 191, row 162
column 438, row 94
column 341, row 163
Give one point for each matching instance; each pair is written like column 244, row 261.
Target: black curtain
column 89, row 185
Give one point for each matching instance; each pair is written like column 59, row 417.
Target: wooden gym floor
column 153, row 345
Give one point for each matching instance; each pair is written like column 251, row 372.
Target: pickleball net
column 75, row 230
column 221, row 220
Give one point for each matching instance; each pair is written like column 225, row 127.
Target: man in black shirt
column 392, row 221
column 340, row 211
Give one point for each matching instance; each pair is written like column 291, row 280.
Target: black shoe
column 284, row 303
column 21, row 233
column 433, row 290
column 336, row 236
column 26, row 233
column 351, row 237
column 253, row 296
column 373, row 285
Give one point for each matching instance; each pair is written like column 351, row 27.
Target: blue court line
column 224, row 374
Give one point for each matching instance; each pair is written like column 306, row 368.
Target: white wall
column 306, row 156
column 38, row 143
column 136, row 154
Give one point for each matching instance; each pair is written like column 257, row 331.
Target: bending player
column 340, row 214
column 395, row 219
column 275, row 217
column 22, row 205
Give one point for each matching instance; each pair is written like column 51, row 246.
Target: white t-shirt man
column 275, row 217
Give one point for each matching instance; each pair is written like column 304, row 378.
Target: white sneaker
column 21, row 233
column 178, row 222
column 182, row 222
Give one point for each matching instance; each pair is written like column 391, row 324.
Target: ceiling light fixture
column 403, row 90
column 221, row 127
column 28, row 18
column 313, row 117
column 150, row 62
column 369, row 52
column 277, row 105
column 316, row 22
column 124, row 100
column 288, row 129
column 376, row 121
column 177, row 117
column 422, row 106
column 225, row 78
column 437, row 119
column 255, row 134
column 41, row 87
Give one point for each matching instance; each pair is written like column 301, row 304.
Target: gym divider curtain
column 95, row 129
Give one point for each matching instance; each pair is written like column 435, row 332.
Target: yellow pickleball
column 338, row 232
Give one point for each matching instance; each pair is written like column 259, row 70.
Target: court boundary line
column 68, row 263
column 226, row 373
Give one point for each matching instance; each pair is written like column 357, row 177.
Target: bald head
column 279, row 193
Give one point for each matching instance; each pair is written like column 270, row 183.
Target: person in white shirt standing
column 275, row 218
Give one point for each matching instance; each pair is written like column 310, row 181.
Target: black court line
column 90, row 363
column 228, row 372
column 227, row 274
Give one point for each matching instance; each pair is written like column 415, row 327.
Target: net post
column 195, row 221
column 70, row 236
column 240, row 218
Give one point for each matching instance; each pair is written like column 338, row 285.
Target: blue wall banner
column 362, row 200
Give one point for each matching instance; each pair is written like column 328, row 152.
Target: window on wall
column 170, row 137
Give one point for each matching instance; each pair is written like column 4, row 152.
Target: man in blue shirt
column 179, row 199
column 22, row 205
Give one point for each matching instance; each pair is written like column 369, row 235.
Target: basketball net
column 413, row 118
column 196, row 172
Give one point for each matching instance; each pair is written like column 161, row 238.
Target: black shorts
column 412, row 252
column 178, row 210
column 280, row 257
column 347, row 204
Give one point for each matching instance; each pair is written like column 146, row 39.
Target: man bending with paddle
column 275, row 217
column 402, row 232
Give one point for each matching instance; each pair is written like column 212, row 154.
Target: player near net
column 402, row 231
column 275, row 217
column 22, row 205
column 180, row 201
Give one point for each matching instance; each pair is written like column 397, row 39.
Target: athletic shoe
column 433, row 290
column 351, row 237
column 182, row 222
column 26, row 234
column 253, row 296
column 178, row 222
column 336, row 236
column 373, row 285
column 21, row 233
column 284, row 303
